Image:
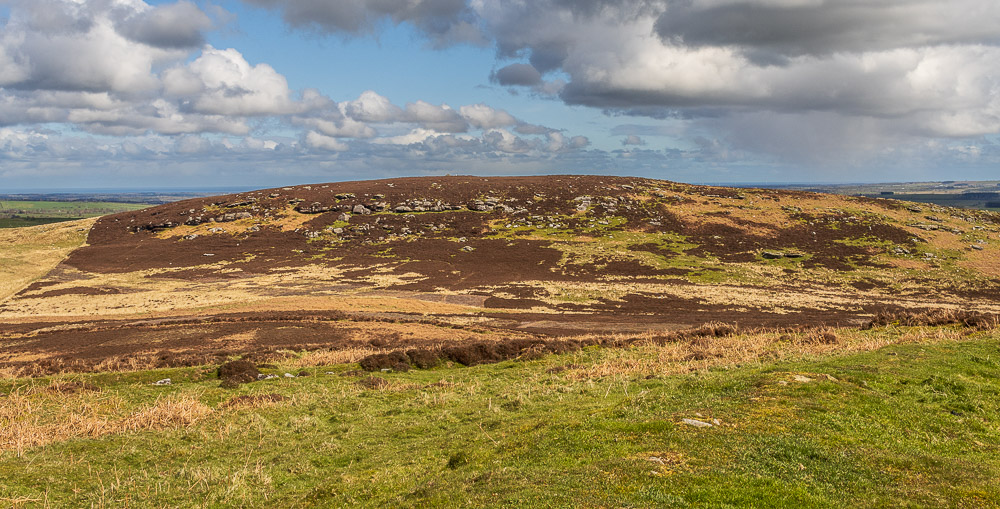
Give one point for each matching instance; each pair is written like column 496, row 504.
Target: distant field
column 16, row 214
column 964, row 200
column 20, row 222
column 967, row 194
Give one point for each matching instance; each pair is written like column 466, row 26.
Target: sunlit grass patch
column 894, row 415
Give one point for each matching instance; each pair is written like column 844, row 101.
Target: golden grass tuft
column 650, row 357
column 166, row 413
column 331, row 357
column 30, row 420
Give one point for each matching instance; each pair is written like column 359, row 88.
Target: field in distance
column 982, row 194
column 16, row 213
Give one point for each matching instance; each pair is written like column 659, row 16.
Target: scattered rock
column 696, row 423
column 165, row 381
column 468, row 249
column 289, row 375
column 801, row 378
column 771, row 255
column 314, row 208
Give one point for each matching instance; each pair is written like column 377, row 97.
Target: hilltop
column 513, row 256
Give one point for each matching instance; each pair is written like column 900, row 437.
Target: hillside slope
column 551, row 254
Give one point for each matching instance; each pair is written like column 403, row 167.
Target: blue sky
column 133, row 93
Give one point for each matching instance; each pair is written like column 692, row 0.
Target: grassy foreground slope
column 894, row 416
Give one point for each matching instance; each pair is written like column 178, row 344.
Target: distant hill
column 316, row 266
column 574, row 245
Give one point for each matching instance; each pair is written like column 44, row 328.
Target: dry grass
column 654, row 358
column 166, row 413
column 154, row 292
column 27, row 254
column 333, row 357
column 32, row 418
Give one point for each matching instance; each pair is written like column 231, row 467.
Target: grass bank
column 914, row 423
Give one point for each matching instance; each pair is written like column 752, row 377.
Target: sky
column 260, row 93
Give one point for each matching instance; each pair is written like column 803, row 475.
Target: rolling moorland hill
column 578, row 342
column 323, row 266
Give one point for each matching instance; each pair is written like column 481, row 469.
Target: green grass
column 19, row 222
column 908, row 425
column 52, row 210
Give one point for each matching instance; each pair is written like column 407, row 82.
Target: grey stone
column 696, row 423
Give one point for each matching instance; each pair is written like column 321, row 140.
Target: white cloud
column 415, row 136
column 484, row 117
column 121, row 88
column 442, row 119
column 228, row 85
column 371, row 107
column 317, row 140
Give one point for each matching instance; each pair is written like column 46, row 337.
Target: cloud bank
column 899, row 70
column 88, row 79
column 722, row 86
